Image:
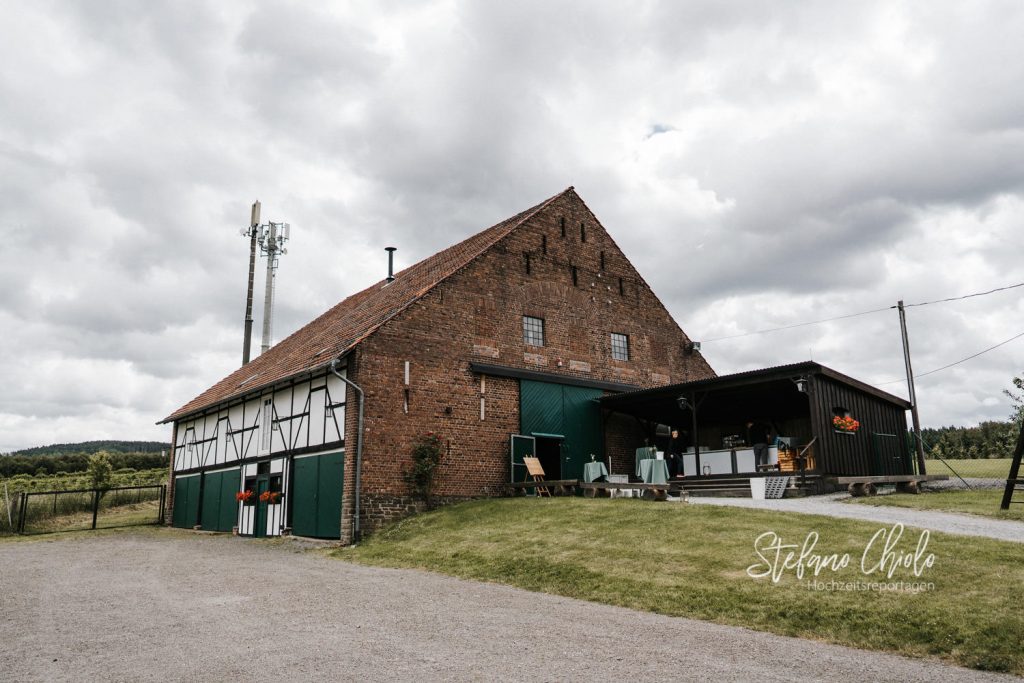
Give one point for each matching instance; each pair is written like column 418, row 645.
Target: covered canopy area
column 708, row 420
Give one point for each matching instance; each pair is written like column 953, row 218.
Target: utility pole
column 251, row 233
column 910, row 386
column 271, row 239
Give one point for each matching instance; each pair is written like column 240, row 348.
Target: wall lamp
column 683, row 402
column 691, row 347
column 802, row 384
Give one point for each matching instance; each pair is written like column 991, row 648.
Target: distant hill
column 90, row 447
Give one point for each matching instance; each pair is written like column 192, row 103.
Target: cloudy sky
column 763, row 164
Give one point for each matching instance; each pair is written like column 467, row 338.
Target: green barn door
column 583, row 438
column 186, row 502
column 211, row 501
column 304, row 495
column 567, row 412
column 220, row 508
column 316, row 495
column 230, row 484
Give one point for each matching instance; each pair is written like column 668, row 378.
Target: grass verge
column 135, row 514
column 981, row 468
column 691, row 561
column 978, row 502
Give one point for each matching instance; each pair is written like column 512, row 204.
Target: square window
column 620, row 346
column 533, row 331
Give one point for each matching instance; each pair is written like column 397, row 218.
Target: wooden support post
column 1014, row 476
column 95, row 506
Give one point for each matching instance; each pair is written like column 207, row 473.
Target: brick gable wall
column 476, row 315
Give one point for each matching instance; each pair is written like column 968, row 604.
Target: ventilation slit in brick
column 562, row 222
column 526, row 257
column 583, row 233
column 622, row 288
column 602, row 260
column 544, row 244
column 575, row 277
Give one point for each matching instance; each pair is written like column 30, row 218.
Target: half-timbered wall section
column 301, row 417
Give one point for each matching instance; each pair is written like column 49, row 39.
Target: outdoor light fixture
column 801, row 384
column 683, row 402
column 691, row 347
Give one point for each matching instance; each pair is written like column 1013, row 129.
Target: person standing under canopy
column 758, row 437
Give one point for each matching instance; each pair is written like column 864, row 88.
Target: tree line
column 90, row 447
column 76, row 462
column 993, row 439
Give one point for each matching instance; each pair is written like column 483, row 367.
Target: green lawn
column 977, row 502
column 691, row 561
column 982, row 468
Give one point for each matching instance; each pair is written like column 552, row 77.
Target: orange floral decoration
column 270, row 497
column 243, row 496
column 845, row 424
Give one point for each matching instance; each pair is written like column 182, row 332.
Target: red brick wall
column 477, row 316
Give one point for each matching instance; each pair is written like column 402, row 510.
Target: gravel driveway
column 832, row 506
column 167, row 605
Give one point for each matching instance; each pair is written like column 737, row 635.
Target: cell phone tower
column 271, row 238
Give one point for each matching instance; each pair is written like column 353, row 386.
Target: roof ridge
column 360, row 314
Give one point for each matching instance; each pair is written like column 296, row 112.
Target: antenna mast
column 271, row 240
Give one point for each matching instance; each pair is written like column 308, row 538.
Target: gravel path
column 165, row 605
column 832, row 506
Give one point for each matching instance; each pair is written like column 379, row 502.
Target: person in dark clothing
column 672, row 457
column 758, row 436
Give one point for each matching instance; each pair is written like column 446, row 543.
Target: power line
column 789, row 327
column 855, row 315
column 966, row 296
column 962, row 360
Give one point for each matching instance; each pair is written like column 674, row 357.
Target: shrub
column 100, row 471
column 426, row 456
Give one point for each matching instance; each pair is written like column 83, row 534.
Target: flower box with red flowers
column 845, row 425
column 246, row 497
column 270, row 497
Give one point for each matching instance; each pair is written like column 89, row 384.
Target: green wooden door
column 230, row 484
column 220, row 508
column 521, row 446
column 566, row 411
column 304, row 495
column 186, row 502
column 316, row 495
column 260, row 524
column 582, row 423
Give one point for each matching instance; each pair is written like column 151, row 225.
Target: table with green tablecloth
column 644, row 453
column 593, row 471
column 652, row 471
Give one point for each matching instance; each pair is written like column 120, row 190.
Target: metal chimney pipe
column 391, row 262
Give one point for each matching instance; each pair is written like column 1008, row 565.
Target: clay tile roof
column 345, row 325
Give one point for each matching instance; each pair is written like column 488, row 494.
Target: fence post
column 163, row 502
column 21, row 512
column 95, row 506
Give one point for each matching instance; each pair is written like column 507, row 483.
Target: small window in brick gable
column 622, row 288
column 562, row 222
column 620, row 346
column 602, row 260
column 526, row 258
column 544, row 244
column 575, row 277
column 533, row 331
column 583, row 233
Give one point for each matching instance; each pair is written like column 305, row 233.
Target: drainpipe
column 359, row 444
